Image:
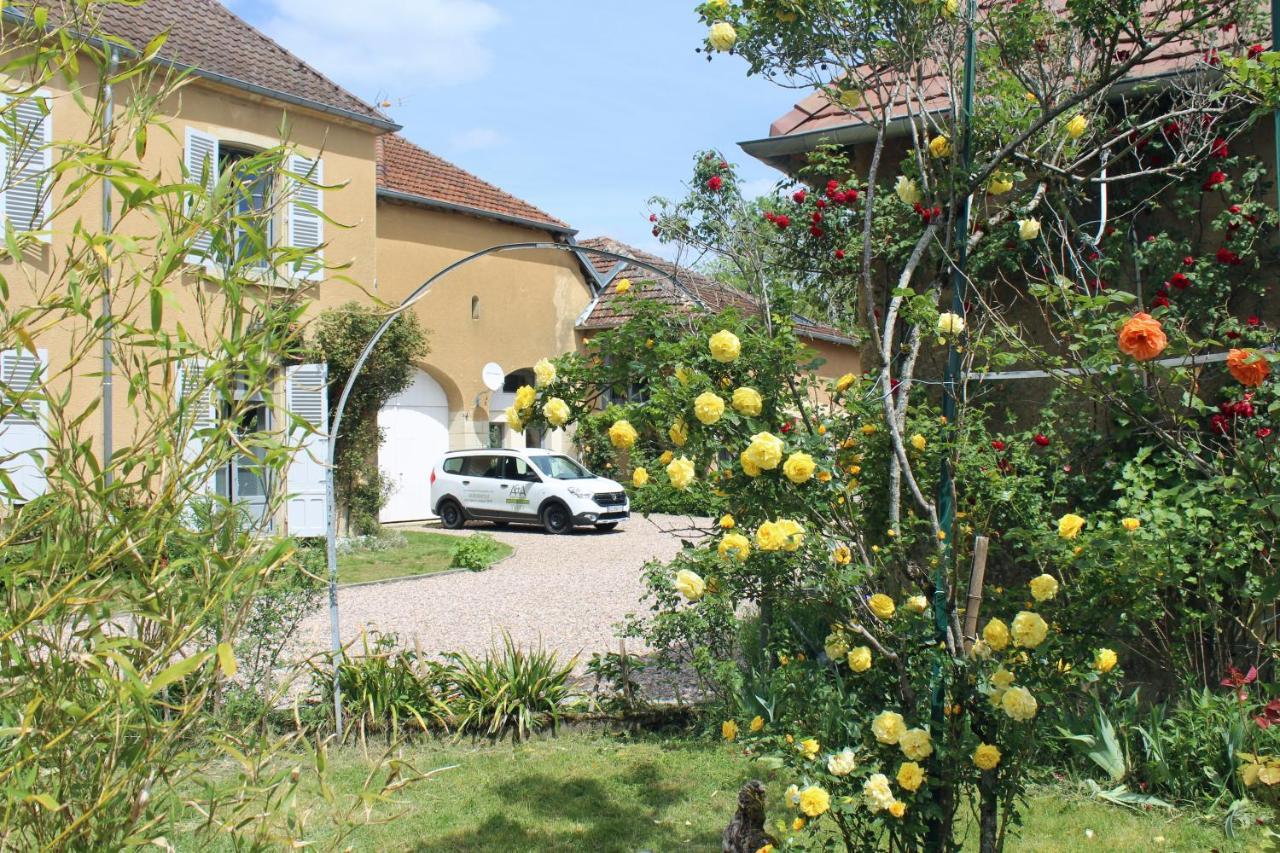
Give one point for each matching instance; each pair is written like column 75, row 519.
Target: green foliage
column 340, row 335
column 477, row 551
column 515, row 693
column 385, row 688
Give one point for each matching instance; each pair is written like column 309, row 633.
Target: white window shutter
column 307, row 399
column 22, row 437
column 200, row 414
column 306, row 204
column 201, row 160
column 29, row 164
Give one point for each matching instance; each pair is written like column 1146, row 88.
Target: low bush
column 385, row 688
column 475, row 552
column 516, row 694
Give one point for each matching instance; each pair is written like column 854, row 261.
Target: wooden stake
column 624, row 664
column 974, row 602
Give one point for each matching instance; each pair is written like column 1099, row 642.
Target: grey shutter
column 306, row 204
column 201, row 161
column 22, row 438
column 28, row 163
column 307, row 398
column 199, row 416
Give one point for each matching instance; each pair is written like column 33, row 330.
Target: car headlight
column 579, row 493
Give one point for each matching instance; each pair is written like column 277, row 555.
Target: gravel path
column 567, row 592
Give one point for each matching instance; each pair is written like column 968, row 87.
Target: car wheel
column 556, row 519
column 607, row 526
column 451, row 516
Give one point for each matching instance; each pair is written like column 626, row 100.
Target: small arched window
column 475, row 308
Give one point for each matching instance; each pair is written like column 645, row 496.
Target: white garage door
column 415, row 427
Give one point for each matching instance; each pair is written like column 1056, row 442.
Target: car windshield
column 561, row 468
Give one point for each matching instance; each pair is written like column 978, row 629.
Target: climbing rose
column 525, row 395
column 747, row 401
column 950, row 324
column 708, row 407
column 1028, row 229
column 1130, row 524
column 1000, row 184
column 1029, row 629
column 1044, row 587
column 907, row 190
column 765, row 451
column 679, row 433
column 1070, row 525
column 919, row 442
column 1249, row 367
column 996, row 635
column 1215, row 178
column 842, row 763
column 877, row 793
column 836, row 646
column 1226, row 256
column 557, row 411
column 639, row 477
column 690, row 584
column 1019, row 704
column 986, row 756
column 714, row 183
column 1077, row 126
column 916, row 744
column 623, row 285
column 1104, row 660
column 881, row 605
column 1142, row 337
column 725, row 346
column 680, row 472
column 622, row 434
column 910, row 776
column 727, row 522
column 859, row 659
column 814, row 801
column 722, row 36
column 888, row 727
column 544, row 373
column 940, row 146
column 843, row 383
column 917, row 604
column 735, row 546
column 799, row 467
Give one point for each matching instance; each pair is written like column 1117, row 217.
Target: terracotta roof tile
column 405, row 168
column 206, row 36
column 700, row 292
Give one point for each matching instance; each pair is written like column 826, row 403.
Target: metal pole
column 108, row 358
column 1275, row 116
column 331, row 508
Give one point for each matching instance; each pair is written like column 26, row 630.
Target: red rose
column 1235, row 208
column 1161, row 300
column 782, row 220
column 653, row 217
column 1180, row 281
column 1255, row 50
column 997, row 445
column 821, row 203
column 1254, row 320
column 839, row 197
column 769, row 215
column 1226, row 256
column 1219, row 148
column 1211, row 57
column 800, row 196
column 815, row 230
column 1219, row 424
column 1215, row 177
column 723, row 164
column 1188, row 261
column 714, row 183
column 1263, row 432
column 1041, row 439
column 839, row 254
column 816, row 216
column 1232, row 335
column 656, row 232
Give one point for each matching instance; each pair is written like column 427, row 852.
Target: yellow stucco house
column 405, row 214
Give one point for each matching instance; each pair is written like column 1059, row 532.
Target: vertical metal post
column 1275, row 117
column 108, row 357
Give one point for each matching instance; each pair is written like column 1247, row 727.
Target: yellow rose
column 799, row 467
column 940, row 146
column 557, row 411
column 690, row 584
column 897, row 808
column 680, row 472
column 916, row 744
column 725, row 346
column 881, row 605
column 919, row 442
column 757, row 723
column 986, row 756
column 722, row 36
column 809, row 748
column 844, row 382
column 718, row 7
column 623, row 285
column 1070, row 525
column 1130, row 524
column 859, row 659
column 748, row 467
column 683, row 376
column 1044, row 587
column 950, row 324
column 910, row 776
column 544, row 373
column 639, row 477
column 666, row 457
column 729, row 730
column 513, row 419
column 1028, row 229
column 622, row 434
column 797, row 824
column 907, row 189
column 792, row 795
column 525, row 395
column 791, row 532
column 747, row 401
column 765, row 451
column 1019, row 704
column 679, row 433
column 1029, row 629
column 917, row 604
column 1002, row 678
column 996, row 635
column 877, row 793
column 951, row 7
column 814, row 801
column 868, row 429
column 999, row 184
column 1104, row 660
column 842, row 763
column 1077, row 126
column 888, row 727
column 736, row 546
column 727, row 522
column 708, row 408
column 836, row 645
column 842, row 555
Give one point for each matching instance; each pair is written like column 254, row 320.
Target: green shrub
column 475, row 552
column 385, row 687
column 516, row 693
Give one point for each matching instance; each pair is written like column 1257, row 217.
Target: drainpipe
column 1275, row 116
column 108, row 363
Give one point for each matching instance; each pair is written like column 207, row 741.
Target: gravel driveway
column 567, row 592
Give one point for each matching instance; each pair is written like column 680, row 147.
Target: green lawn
column 423, row 554
column 601, row 793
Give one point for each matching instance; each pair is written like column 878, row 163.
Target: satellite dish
column 493, row 376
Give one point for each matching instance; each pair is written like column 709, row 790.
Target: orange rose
column 1248, row 367
column 1142, row 337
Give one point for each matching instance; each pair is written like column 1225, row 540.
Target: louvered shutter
column 201, row 160
column 307, row 398
column 28, row 166
column 306, row 203
column 22, row 438
column 199, row 414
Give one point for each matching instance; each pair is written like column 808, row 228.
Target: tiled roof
column 700, row 292
column 816, row 112
column 405, row 168
column 208, row 37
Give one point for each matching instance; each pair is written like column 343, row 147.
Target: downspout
column 108, row 362
column 1275, row 116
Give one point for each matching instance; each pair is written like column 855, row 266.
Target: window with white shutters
column 201, row 162
column 307, row 399
column 306, row 206
column 199, row 413
column 22, row 412
column 28, row 163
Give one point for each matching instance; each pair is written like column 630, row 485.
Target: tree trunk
column 988, row 824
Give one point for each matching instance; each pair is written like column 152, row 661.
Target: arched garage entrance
column 415, row 429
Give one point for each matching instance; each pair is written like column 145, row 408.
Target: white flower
column 842, row 763
column 950, row 324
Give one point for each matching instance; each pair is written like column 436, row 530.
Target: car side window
column 477, row 466
column 453, row 466
column 519, row 469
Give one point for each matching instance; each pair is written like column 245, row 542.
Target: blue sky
column 584, row 108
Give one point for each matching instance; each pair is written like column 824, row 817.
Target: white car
column 524, row 487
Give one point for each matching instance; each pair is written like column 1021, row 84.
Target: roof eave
column 450, row 207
